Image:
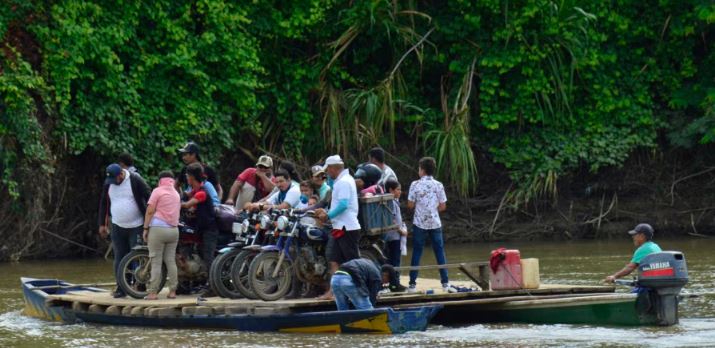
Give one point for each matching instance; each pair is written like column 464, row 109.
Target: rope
column 521, row 285
column 70, row 241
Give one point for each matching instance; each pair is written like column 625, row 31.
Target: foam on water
column 15, row 322
column 690, row 333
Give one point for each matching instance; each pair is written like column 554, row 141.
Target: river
column 584, row 262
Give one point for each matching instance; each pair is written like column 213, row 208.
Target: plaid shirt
column 427, row 193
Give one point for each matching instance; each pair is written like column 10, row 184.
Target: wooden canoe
column 41, row 301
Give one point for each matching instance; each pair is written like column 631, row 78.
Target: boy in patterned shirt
column 428, row 199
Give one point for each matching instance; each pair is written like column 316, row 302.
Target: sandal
column 328, row 296
column 151, row 297
column 171, row 296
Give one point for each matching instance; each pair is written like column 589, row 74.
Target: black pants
column 345, row 248
column 393, row 252
column 208, row 246
column 123, row 240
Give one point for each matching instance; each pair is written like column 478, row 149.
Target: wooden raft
column 478, row 272
column 103, row 302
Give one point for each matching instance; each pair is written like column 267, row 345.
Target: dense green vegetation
column 541, row 88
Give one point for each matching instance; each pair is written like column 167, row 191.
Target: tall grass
column 562, row 55
column 357, row 118
column 450, row 144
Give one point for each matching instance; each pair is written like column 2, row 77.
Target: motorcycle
column 263, row 235
column 297, row 261
column 135, row 267
column 271, row 272
column 220, row 279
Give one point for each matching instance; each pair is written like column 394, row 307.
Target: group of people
column 134, row 211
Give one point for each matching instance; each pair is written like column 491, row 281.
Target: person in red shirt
column 252, row 184
column 200, row 201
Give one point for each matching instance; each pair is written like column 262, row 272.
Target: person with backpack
column 124, row 203
column 200, row 203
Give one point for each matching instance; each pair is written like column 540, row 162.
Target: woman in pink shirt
column 162, row 234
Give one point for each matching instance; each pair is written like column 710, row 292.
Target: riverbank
column 674, row 193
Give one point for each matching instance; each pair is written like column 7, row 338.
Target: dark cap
column 646, row 229
column 190, row 147
column 112, row 172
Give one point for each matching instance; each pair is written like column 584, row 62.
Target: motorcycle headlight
column 240, row 228
column 265, row 222
column 282, row 223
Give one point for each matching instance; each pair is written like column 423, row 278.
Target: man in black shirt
column 190, row 153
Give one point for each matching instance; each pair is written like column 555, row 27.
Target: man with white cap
column 343, row 214
column 643, row 240
column 253, row 183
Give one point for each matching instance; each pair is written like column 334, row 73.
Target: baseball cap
column 111, row 173
column 334, row 159
column 316, row 170
column 190, row 147
column 646, row 229
column 265, row 161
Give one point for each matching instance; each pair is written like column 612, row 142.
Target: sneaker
column 398, row 288
column 412, row 289
column 207, row 292
column 384, row 291
column 119, row 293
column 449, row 289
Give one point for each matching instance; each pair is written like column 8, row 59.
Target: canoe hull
column 380, row 321
column 609, row 310
column 376, row 321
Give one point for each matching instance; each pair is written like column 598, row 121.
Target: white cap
column 334, row 159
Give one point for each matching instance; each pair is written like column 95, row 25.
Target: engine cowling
column 666, row 272
column 663, row 275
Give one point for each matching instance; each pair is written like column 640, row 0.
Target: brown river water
column 584, row 262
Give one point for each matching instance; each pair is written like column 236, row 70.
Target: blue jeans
column 344, row 289
column 419, row 236
column 123, row 240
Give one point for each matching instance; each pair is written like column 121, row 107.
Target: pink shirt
column 167, row 202
column 374, row 189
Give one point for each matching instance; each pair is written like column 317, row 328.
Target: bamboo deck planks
column 96, row 301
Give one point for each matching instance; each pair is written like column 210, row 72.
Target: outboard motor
column 663, row 274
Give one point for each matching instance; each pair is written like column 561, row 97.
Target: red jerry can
column 508, row 275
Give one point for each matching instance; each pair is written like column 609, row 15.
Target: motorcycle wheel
column 220, row 278
column 135, row 272
column 239, row 273
column 264, row 285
